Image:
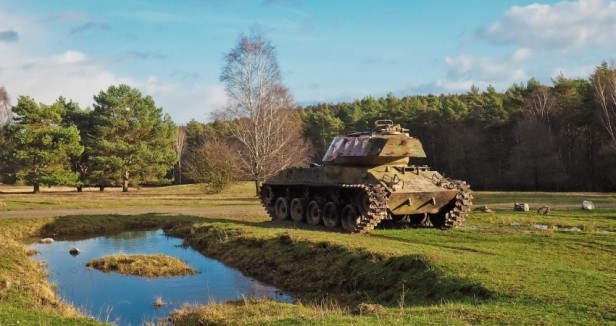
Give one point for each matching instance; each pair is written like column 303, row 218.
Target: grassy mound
column 142, row 265
column 325, row 269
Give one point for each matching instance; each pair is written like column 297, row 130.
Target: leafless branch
column 180, row 146
column 261, row 110
column 604, row 87
column 6, row 114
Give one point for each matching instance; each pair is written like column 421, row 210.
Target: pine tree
column 133, row 141
column 42, row 146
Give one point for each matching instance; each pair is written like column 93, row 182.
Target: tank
column 366, row 178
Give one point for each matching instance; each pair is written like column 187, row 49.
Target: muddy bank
column 316, row 271
column 311, row 271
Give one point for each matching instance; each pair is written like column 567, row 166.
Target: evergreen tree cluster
column 125, row 140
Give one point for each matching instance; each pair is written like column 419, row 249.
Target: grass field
column 503, row 267
column 22, row 198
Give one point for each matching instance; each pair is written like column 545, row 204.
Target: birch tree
column 6, row 114
column 180, row 147
column 604, row 89
column 261, row 111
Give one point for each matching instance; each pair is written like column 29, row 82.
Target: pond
column 129, row 300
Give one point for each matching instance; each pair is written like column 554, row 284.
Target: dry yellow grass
column 142, row 265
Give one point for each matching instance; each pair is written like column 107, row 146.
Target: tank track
column 377, row 208
column 369, row 217
column 456, row 213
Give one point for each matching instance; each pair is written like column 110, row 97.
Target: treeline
column 560, row 137
column 124, row 140
column 530, row 137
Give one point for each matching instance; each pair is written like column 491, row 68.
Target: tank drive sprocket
column 369, row 209
column 454, row 214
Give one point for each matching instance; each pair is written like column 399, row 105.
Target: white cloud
column 576, row 72
column 483, row 69
column 447, row 86
column 69, row 57
column 565, row 26
column 185, row 102
column 45, row 79
column 521, row 54
column 545, row 40
column 73, row 74
column 24, row 70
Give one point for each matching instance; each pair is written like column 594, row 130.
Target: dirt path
column 535, row 206
column 213, row 211
column 239, row 211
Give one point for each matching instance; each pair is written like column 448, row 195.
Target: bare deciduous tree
column 604, row 87
column 213, row 163
column 540, row 104
column 6, row 114
column 261, row 110
column 180, row 146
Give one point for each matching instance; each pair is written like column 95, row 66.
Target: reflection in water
column 129, row 300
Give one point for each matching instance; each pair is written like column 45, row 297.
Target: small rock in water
column 74, row 251
column 522, row 207
column 587, row 205
column 46, row 240
column 158, row 302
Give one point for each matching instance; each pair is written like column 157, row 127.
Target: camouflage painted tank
column 365, row 178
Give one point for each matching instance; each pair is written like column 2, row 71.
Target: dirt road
column 212, row 211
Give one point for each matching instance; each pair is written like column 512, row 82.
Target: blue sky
column 328, row 51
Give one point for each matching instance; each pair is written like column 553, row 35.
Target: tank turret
column 364, row 178
column 387, row 144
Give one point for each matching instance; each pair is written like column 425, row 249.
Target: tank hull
column 414, row 193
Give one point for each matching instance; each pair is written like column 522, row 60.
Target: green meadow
column 502, row 267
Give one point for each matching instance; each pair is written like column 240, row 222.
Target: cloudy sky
column 328, row 50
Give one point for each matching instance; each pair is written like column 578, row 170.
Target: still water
column 129, row 300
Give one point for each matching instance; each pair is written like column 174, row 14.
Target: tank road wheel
column 441, row 220
column 267, row 195
column 281, row 208
column 350, row 219
column 313, row 213
column 298, row 209
column 362, row 202
column 420, row 220
column 331, row 218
